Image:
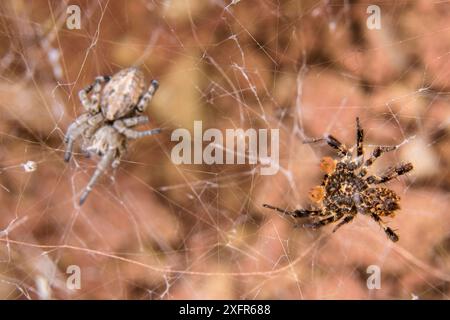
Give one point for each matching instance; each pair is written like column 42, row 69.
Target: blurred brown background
column 154, row 230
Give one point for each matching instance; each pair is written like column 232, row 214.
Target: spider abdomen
column 121, row 94
column 381, row 201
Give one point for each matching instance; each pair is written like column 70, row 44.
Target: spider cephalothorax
column 111, row 112
column 346, row 191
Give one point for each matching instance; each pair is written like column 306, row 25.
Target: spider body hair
column 345, row 190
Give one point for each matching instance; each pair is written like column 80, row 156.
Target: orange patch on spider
column 317, row 194
column 328, row 165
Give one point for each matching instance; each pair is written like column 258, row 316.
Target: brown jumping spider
column 345, row 191
column 111, row 112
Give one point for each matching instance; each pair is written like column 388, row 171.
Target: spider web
column 154, row 230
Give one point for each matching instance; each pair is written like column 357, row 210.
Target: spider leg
column 301, row 213
column 121, row 150
column 324, row 221
column 80, row 125
column 359, row 160
column 346, row 220
column 389, row 232
column 92, row 105
column 376, row 153
column 359, row 139
column 106, row 161
column 334, row 143
column 76, row 123
column 72, row 134
column 134, row 121
column 73, row 131
column 391, row 173
column 121, row 127
column 147, row 97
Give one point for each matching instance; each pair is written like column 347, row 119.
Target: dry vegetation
column 153, row 230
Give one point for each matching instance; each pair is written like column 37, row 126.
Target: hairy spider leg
column 81, row 124
column 332, row 217
column 334, row 143
column 359, row 139
column 389, row 232
column 147, row 97
column 104, row 163
column 78, row 121
column 300, row 213
column 122, row 126
column 359, row 159
column 347, row 219
column 376, row 153
column 92, row 105
column 122, row 148
column 391, row 173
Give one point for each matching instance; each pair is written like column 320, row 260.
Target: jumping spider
column 111, row 112
column 346, row 191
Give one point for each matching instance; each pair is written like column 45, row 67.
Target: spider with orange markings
column 347, row 190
